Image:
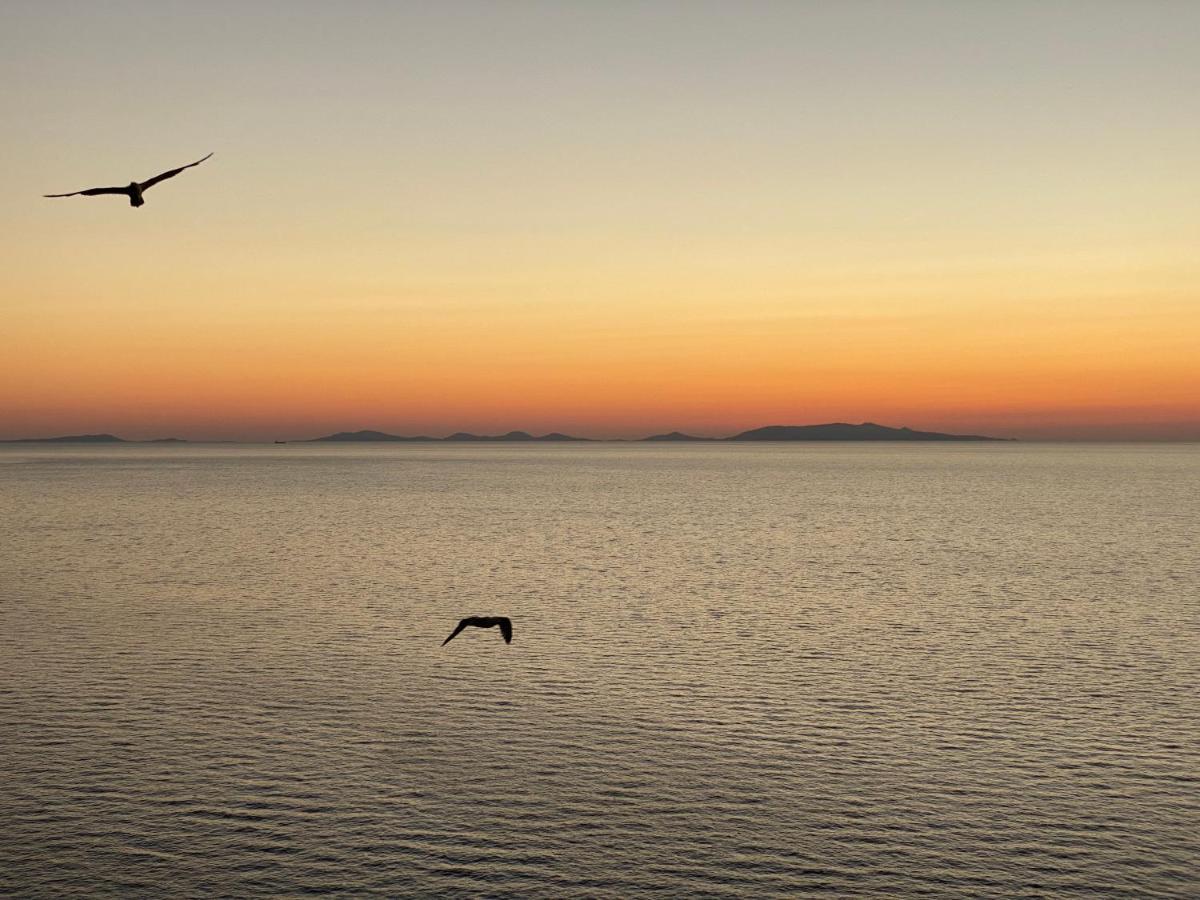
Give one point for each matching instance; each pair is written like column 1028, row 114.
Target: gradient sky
column 606, row 218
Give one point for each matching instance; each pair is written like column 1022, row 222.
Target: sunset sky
column 607, row 218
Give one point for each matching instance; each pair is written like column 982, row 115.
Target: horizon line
column 369, row 435
column 518, row 436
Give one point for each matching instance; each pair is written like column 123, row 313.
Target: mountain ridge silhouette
column 829, row 431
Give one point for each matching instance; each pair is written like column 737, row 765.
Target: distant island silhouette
column 359, row 436
column 368, row 436
column 90, row 439
column 831, row 431
column 512, row 436
column 841, row 431
column 79, row 439
column 678, row 436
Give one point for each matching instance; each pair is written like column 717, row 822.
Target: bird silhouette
column 484, row 622
column 134, row 189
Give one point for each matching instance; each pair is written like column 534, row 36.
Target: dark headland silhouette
column 484, row 622
column 134, row 189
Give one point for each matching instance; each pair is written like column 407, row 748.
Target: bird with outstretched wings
column 134, row 189
column 503, row 622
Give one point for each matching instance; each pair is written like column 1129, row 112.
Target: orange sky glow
column 522, row 217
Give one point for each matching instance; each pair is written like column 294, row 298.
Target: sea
column 737, row 670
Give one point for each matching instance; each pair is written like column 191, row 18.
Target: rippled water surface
column 961, row 670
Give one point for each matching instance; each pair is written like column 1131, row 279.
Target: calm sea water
column 950, row 670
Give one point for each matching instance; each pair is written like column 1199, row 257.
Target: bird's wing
column 461, row 625
column 146, row 185
column 92, row 192
column 506, row 630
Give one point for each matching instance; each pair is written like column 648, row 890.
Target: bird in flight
column 484, row 622
column 134, row 189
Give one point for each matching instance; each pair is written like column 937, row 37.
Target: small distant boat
column 281, row 442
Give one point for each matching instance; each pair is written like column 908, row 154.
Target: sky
column 606, row 218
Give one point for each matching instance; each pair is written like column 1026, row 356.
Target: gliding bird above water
column 134, row 189
column 484, row 622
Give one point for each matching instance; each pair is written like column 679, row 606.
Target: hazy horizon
column 1069, row 429
column 1168, row 433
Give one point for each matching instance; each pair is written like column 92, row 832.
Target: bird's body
column 504, row 623
column 134, row 189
